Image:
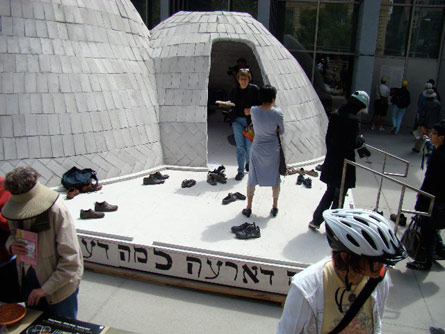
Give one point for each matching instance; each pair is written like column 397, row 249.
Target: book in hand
column 47, row 323
column 31, row 241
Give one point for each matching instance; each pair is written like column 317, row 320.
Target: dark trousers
column 330, row 199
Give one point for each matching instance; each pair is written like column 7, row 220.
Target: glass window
column 337, row 25
column 336, row 73
column 427, row 29
column 207, row 5
column 247, row 6
column 298, row 25
column 392, row 37
column 149, row 10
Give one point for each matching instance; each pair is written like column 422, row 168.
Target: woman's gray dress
column 265, row 151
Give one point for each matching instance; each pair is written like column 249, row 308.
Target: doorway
column 221, row 149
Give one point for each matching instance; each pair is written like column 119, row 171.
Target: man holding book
column 43, row 236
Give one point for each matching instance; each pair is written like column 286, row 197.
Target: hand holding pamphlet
column 31, row 241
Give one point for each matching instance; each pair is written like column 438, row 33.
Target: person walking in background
column 51, row 282
column 419, row 105
column 433, row 83
column 342, row 139
column 433, row 183
column 267, row 121
column 321, row 295
column 400, row 99
column 244, row 96
column 429, row 116
column 380, row 104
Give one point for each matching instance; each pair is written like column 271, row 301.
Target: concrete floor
column 414, row 304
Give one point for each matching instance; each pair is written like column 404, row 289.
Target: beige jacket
column 59, row 266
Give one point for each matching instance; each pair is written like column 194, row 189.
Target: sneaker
column 274, row 212
column 313, row 226
column 251, row 231
column 300, row 179
column 414, row 265
column 211, row 179
column 247, row 212
column 239, row 196
column 188, row 183
column 307, row 183
column 239, row 227
column 239, row 176
column 247, row 167
column 152, row 180
column 104, row 207
column 219, row 177
column 159, row 176
column 90, row 214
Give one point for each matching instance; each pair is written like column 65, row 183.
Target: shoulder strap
column 358, row 303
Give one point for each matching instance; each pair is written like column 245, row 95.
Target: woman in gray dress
column 267, row 122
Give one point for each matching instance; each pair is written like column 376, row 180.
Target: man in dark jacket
column 433, row 183
column 429, row 115
column 400, row 100
column 342, row 139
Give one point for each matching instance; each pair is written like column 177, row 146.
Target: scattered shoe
column 188, row 183
column 72, row 192
column 312, row 173
column 251, row 231
column 239, row 176
column 221, row 178
column 211, row 179
column 247, row 167
column 229, row 199
column 319, row 167
column 301, row 171
column 240, row 196
column 104, row 207
column 247, row 212
column 291, row 171
column 152, row 180
column 274, row 212
column 159, row 176
column 313, row 226
column 414, row 265
column 402, row 219
column 90, row 214
column 307, row 183
column 300, row 179
column 240, row 227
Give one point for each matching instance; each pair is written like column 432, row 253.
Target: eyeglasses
column 434, row 133
column 244, row 69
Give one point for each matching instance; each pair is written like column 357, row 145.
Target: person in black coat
column 433, row 183
column 342, row 139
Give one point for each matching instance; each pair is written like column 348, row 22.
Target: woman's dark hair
column 440, row 128
column 267, row 94
column 353, row 105
column 20, row 180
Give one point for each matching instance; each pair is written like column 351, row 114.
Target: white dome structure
column 86, row 84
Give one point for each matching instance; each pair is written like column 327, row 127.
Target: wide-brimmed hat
column 30, row 204
column 429, row 93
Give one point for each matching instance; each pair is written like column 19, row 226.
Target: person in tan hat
column 50, row 279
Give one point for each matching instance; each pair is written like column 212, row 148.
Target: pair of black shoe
column 246, row 231
column 188, row 183
column 307, row 182
column 402, row 219
column 232, row 197
column 155, row 178
column 217, row 175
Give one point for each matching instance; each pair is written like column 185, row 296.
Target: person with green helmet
column 342, row 139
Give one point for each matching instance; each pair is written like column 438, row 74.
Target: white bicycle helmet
column 363, row 97
column 363, row 232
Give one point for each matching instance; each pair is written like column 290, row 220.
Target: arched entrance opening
column 225, row 55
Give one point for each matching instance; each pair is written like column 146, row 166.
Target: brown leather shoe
column 104, row 207
column 90, row 214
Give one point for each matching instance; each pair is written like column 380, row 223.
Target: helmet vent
column 382, row 236
column 345, row 222
column 361, row 220
column 369, row 239
column 352, row 240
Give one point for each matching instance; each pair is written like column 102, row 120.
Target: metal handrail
column 403, row 184
column 385, row 155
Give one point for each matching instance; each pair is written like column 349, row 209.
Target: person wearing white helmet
column 342, row 139
column 362, row 242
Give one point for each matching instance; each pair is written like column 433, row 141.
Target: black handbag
column 411, row 237
column 283, row 167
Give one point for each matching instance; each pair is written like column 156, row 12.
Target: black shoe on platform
column 247, row 212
